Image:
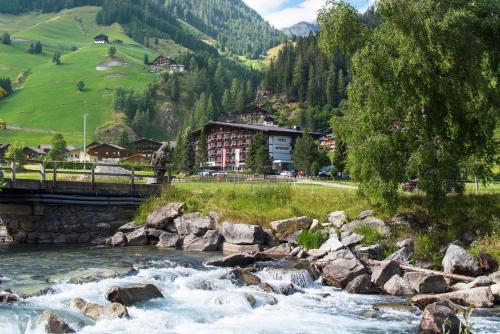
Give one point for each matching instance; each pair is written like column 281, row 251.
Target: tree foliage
column 15, row 152
column 80, row 86
column 306, row 155
column 112, row 51
column 56, row 58
column 6, row 38
column 58, row 149
column 423, row 96
column 258, row 159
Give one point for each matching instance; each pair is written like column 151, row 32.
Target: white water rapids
column 198, row 301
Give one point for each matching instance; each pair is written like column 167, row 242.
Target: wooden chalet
column 328, row 141
column 101, row 39
column 98, row 151
column 33, row 153
column 138, row 159
column 161, row 61
column 145, row 147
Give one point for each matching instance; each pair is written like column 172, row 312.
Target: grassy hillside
column 48, row 99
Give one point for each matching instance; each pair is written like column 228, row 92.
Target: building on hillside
column 161, row 61
column 257, row 116
column 33, row 153
column 3, row 150
column 145, row 147
column 328, row 141
column 229, row 144
column 105, row 152
column 138, row 159
column 177, row 69
column 101, row 39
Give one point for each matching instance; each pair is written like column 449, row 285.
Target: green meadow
column 48, row 101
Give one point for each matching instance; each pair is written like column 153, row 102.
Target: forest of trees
column 46, row 6
column 234, row 25
column 217, row 87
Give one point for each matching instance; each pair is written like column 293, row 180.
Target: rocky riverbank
column 341, row 262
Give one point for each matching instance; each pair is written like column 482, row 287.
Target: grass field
column 48, row 100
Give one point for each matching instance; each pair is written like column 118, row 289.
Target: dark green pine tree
column 305, row 154
column 300, row 79
column 258, row 159
column 58, row 149
column 202, row 150
column 175, row 90
column 146, row 59
column 311, row 87
column 341, row 92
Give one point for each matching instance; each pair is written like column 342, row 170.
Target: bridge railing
column 87, row 172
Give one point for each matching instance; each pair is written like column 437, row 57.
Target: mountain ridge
column 301, row 29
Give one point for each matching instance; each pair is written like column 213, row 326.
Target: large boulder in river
column 405, row 252
column 137, row 238
column 133, row 294
column 240, row 260
column 397, row 286
column 234, row 248
column 458, row 261
column 438, row 318
column 194, row 223
column 168, row 240
column 383, row 272
column 360, row 284
column 286, row 227
column 118, row 240
column 372, row 252
column 8, row 297
column 52, row 324
column 337, row 219
column 280, row 250
column 208, row 242
column 477, row 297
column 98, row 312
column 129, row 227
column 426, row 283
column 340, row 267
column 163, row 217
column 243, row 234
column 242, row 277
column 370, row 222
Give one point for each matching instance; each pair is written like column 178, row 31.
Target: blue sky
column 284, row 13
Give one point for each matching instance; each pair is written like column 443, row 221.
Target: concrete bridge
column 49, row 210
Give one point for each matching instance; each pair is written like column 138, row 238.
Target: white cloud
column 265, row 7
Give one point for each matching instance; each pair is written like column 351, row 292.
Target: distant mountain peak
column 301, row 29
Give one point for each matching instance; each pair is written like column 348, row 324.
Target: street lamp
column 84, row 139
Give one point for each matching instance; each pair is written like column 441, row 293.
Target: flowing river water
column 197, row 299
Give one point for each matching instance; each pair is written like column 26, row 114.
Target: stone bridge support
column 48, row 224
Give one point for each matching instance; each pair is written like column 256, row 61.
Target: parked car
column 324, row 173
column 206, row 172
column 287, row 173
column 220, row 174
column 410, row 185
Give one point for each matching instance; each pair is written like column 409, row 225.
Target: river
column 196, row 299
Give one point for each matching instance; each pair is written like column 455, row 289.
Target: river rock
column 286, row 227
column 370, row 222
column 98, row 312
column 383, row 272
column 129, row 227
column 426, row 283
column 168, row 240
column 402, row 255
column 438, row 318
column 266, row 287
column 340, row 267
column 280, row 250
column 308, row 266
column 233, row 248
column 495, row 290
column 477, row 282
column 337, row 219
column 52, row 324
column 153, row 234
column 458, row 261
column 242, row 277
column 8, row 297
column 316, row 253
column 477, row 297
column 118, row 240
column 243, row 234
column 163, row 217
column 251, row 299
column 365, row 214
column 133, row 294
column 240, row 259
column 333, row 244
column 194, row 223
column 137, row 238
column 360, row 284
column 208, row 242
column 397, row 286
column 487, row 263
column 270, row 239
column 289, row 289
column 373, row 252
column 395, row 307
column 89, row 275
column 296, row 250
column 352, row 240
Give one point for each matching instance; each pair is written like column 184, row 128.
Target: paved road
column 327, row 184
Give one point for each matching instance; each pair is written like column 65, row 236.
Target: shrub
column 427, row 248
column 372, row 236
column 312, row 239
